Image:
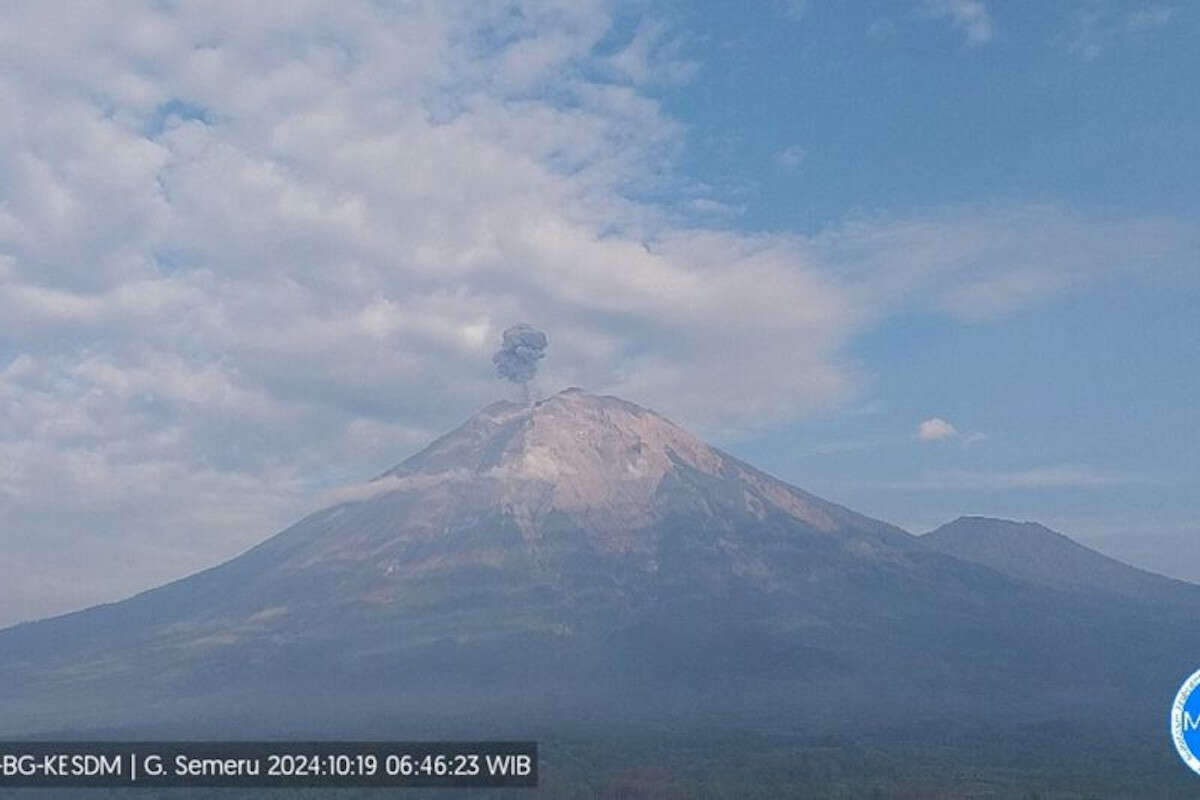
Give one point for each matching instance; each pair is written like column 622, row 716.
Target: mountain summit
column 609, row 464
column 1032, row 552
column 580, row 557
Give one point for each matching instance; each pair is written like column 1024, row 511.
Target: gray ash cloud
column 517, row 359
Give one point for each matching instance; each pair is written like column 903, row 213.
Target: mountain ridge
column 1032, row 552
column 581, row 556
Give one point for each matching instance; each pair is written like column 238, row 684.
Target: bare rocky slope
column 584, row 558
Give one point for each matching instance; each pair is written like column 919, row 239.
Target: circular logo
column 1185, row 722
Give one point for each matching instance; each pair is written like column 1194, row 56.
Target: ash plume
column 520, row 350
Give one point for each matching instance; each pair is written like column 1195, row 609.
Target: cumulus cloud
column 935, row 429
column 969, row 16
column 249, row 252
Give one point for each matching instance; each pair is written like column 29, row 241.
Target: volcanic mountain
column 1033, row 553
column 583, row 558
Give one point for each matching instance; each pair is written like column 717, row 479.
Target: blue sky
column 1088, row 104
column 1078, row 410
column 924, row 257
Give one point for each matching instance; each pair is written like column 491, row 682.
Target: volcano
column 584, row 558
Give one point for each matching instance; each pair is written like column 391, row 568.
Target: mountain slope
column 1031, row 552
column 580, row 558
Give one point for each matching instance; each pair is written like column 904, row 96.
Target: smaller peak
column 977, row 520
column 572, row 390
column 976, row 525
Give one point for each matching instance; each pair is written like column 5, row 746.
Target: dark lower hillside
column 888, row 641
column 874, row 644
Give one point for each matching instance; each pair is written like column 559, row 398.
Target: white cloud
column 935, row 429
column 969, row 16
column 790, row 158
column 981, row 263
column 654, row 56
